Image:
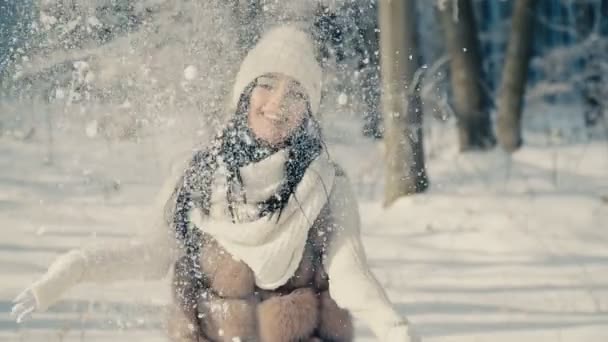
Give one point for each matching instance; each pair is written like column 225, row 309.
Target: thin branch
column 422, row 71
column 557, row 27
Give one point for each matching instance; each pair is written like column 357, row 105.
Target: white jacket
column 352, row 284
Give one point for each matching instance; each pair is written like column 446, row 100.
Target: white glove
column 61, row 275
column 25, row 304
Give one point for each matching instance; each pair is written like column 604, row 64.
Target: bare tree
column 588, row 18
column 247, row 15
column 460, row 34
column 404, row 154
column 512, row 88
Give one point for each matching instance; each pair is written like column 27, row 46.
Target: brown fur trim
column 292, row 317
column 227, row 276
column 267, row 294
column 336, row 323
column 228, row 319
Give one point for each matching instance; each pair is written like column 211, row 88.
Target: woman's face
column 277, row 106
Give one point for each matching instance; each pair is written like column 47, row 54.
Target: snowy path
column 497, row 251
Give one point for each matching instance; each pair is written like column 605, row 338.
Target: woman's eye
column 265, row 86
column 297, row 95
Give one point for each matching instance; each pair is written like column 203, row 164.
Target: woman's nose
column 274, row 103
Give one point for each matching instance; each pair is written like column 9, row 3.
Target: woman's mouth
column 274, row 118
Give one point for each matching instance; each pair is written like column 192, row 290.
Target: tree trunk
column 404, row 156
column 16, row 18
column 370, row 83
column 247, row 15
column 510, row 101
column 588, row 18
column 460, row 34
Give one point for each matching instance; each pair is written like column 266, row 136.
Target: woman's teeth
column 273, row 117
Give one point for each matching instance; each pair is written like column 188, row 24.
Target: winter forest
column 467, row 138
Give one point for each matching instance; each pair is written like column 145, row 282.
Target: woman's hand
column 63, row 273
column 24, row 304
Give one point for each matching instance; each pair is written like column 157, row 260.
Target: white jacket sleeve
column 351, row 283
column 147, row 258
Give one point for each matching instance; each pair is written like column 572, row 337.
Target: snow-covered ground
column 500, row 249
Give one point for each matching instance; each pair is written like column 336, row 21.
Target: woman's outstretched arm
column 351, row 282
column 148, row 257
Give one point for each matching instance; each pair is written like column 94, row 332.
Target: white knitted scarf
column 272, row 248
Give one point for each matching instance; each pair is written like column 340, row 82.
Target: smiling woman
column 264, row 227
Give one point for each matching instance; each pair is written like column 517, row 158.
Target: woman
column 263, row 227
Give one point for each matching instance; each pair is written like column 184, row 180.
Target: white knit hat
column 286, row 50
